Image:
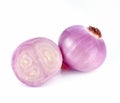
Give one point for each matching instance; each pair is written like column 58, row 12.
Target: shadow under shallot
column 71, row 72
column 65, row 71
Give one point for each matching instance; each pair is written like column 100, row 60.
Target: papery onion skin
column 82, row 48
column 37, row 60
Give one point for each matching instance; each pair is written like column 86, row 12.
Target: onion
column 36, row 60
column 83, row 48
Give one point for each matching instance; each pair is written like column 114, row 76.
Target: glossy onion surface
column 36, row 60
column 83, row 48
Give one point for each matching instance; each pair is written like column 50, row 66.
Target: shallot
column 37, row 60
column 83, row 48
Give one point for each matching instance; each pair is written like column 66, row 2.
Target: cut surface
column 37, row 60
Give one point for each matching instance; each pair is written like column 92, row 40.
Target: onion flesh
column 36, row 60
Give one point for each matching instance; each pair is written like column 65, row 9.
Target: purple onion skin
column 83, row 49
column 37, row 60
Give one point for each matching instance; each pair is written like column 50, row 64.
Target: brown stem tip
column 95, row 31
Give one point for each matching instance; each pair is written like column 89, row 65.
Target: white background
column 24, row 19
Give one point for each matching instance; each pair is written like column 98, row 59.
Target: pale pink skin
column 81, row 49
column 37, row 60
